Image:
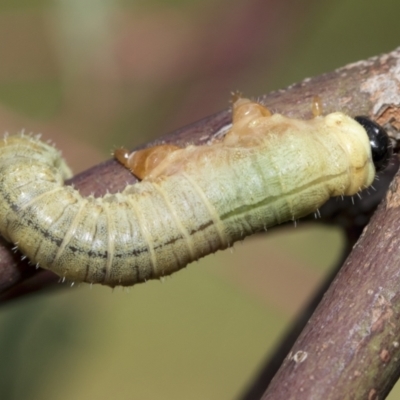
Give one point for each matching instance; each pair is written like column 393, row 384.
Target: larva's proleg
column 142, row 162
column 191, row 202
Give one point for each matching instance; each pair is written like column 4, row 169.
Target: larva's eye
column 379, row 141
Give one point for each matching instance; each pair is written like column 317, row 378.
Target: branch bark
column 349, row 348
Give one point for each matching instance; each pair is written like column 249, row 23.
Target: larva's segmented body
column 192, row 202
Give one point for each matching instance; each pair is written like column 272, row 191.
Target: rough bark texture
column 350, row 348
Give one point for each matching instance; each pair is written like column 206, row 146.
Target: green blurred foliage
column 23, row 98
column 24, row 5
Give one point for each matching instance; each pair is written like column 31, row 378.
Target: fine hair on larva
column 191, row 201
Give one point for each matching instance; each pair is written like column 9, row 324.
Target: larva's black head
column 381, row 147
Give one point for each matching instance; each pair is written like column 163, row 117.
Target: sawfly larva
column 191, row 201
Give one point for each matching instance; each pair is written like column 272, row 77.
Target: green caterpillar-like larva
column 191, row 202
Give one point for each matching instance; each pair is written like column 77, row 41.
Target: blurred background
column 95, row 74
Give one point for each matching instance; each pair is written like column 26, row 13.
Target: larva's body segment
column 191, row 202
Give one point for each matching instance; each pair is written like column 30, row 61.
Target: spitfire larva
column 191, row 201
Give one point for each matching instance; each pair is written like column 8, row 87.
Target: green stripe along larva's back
column 267, row 170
